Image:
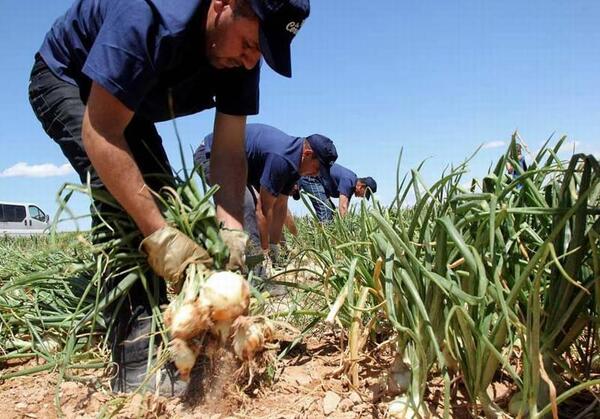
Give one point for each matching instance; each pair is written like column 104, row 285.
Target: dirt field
column 302, row 388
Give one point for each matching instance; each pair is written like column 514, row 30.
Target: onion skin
column 221, row 330
column 227, row 294
column 401, row 408
column 250, row 336
column 184, row 356
column 168, row 316
column 189, row 320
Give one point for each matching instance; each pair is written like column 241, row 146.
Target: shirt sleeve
column 125, row 53
column 238, row 91
column 289, row 186
column 277, row 175
column 346, row 187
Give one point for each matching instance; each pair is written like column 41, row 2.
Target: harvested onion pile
column 213, row 302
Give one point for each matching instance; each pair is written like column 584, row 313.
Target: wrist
column 150, row 226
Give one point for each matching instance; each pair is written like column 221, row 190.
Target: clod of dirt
column 296, row 375
column 346, row 405
column 376, row 392
column 355, row 397
column 330, row 402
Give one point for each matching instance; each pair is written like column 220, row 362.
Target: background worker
column 276, row 161
column 343, row 184
column 518, row 156
column 108, row 70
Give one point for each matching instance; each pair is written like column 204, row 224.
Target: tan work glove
column 236, row 241
column 170, row 252
column 267, row 265
column 274, row 252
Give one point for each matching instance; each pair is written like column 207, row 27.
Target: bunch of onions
column 208, row 302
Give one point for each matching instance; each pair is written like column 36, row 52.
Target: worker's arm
column 279, row 214
column 228, row 168
column 343, row 205
column 103, row 134
column 267, row 200
column 104, row 122
column 509, row 168
column 263, row 226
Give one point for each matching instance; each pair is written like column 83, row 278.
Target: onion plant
column 53, row 303
column 473, row 278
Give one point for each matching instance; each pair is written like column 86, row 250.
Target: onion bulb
column 250, row 335
column 187, row 320
column 227, row 294
column 401, row 408
column 221, row 330
column 184, row 356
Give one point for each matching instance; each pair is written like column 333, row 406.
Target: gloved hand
column 274, row 252
column 267, row 265
column 236, row 241
column 170, row 252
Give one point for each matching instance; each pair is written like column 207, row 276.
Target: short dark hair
column 243, row 9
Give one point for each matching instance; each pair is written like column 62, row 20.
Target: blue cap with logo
column 280, row 21
column 326, row 153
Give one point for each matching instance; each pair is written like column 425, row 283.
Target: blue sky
column 435, row 78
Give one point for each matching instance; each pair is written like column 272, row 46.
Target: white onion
column 184, row 356
column 400, row 408
column 250, row 336
column 188, row 320
column 221, row 330
column 227, row 294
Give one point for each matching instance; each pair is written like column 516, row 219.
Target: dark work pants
column 59, row 107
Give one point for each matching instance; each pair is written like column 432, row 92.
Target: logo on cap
column 294, row 27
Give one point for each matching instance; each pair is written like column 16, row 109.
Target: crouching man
column 106, row 72
column 342, row 184
column 276, row 161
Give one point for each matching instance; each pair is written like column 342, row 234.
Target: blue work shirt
column 140, row 50
column 273, row 158
column 344, row 182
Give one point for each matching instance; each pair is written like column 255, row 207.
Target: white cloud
column 23, row 169
column 493, row 144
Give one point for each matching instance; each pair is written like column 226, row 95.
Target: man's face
column 360, row 190
column 231, row 41
column 309, row 166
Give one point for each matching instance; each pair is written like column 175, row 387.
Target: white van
column 19, row 219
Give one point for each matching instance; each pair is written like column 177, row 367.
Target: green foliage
column 474, row 278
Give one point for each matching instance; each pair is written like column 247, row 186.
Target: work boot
column 130, row 354
column 275, row 290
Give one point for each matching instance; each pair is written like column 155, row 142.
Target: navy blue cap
column 326, row 153
column 280, row 21
column 371, row 184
